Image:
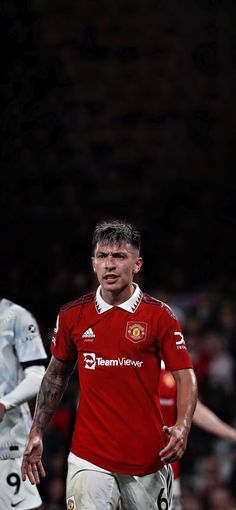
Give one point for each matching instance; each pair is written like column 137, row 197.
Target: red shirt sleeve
column 62, row 346
column 172, row 346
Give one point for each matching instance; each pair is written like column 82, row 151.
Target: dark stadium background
column 125, row 109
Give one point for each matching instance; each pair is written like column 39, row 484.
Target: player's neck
column 117, row 298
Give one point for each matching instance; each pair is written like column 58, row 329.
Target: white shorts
column 176, row 500
column 13, row 492
column 89, row 488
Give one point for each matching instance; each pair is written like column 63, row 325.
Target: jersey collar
column 130, row 305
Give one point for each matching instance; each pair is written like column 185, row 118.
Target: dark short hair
column 114, row 232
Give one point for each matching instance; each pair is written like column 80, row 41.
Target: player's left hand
column 176, row 445
column 2, row 411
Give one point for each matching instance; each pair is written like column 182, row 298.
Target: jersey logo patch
column 136, row 331
column 180, row 344
column 32, row 328
column 90, row 360
column 70, row 503
column 88, row 334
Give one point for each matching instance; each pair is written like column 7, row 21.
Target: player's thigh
column 152, row 492
column 14, row 492
column 176, row 500
column 90, row 490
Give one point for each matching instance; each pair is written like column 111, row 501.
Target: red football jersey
column 168, row 394
column 119, row 350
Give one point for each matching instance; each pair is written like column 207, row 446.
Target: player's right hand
column 32, row 466
column 177, row 440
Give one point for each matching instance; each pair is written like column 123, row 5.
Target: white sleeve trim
column 26, row 389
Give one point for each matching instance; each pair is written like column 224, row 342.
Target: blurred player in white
column 22, row 359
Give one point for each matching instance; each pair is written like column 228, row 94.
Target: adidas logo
column 88, row 334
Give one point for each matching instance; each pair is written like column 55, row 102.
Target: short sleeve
column 171, row 341
column 27, row 339
column 62, row 346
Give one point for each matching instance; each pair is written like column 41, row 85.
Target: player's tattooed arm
column 52, row 388
column 51, row 391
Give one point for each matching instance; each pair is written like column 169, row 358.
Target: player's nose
column 110, row 263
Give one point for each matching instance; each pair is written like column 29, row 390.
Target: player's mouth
column 110, row 278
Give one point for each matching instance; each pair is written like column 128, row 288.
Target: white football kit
column 20, row 344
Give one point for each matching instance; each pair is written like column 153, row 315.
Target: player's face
column 115, row 266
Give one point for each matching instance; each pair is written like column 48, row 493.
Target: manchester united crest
column 136, row 331
column 71, row 505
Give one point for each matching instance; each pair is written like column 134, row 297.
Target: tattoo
column 51, row 391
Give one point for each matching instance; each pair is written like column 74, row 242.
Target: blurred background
column 126, row 109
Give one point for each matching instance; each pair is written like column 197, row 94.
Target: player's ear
column 93, row 263
column 138, row 264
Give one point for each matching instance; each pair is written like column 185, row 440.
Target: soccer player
column 120, row 447
column 203, row 417
column 22, row 358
